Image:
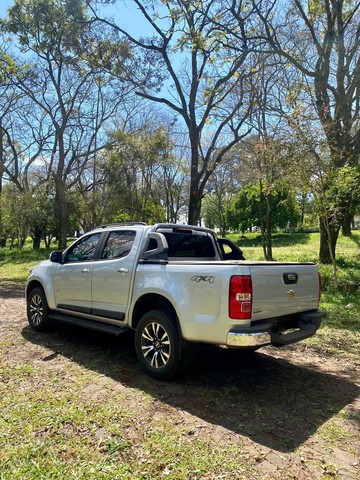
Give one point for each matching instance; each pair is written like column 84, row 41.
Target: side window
column 187, row 245
column 118, row 244
column 229, row 250
column 84, row 249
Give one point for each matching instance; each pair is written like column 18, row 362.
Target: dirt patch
column 12, row 305
column 294, row 411
column 11, row 291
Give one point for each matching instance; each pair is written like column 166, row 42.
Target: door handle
column 85, row 270
column 123, row 270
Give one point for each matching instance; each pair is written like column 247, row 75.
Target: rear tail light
column 240, row 297
column 319, row 296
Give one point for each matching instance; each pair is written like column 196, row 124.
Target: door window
column 118, row 244
column 84, row 249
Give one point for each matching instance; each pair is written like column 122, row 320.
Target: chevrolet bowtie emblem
column 290, row 293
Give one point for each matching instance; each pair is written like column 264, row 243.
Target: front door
column 73, row 278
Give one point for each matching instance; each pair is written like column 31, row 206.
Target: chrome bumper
column 279, row 332
column 236, row 339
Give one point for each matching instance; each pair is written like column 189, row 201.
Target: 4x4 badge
column 202, row 278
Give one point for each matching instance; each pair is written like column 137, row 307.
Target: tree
column 321, row 41
column 251, row 206
column 174, row 182
column 221, row 190
column 265, row 163
column 8, row 101
column 198, row 77
column 73, row 94
column 134, row 171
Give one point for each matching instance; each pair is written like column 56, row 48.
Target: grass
column 15, row 264
column 55, row 431
column 61, row 417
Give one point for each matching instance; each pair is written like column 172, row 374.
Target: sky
column 130, row 17
column 3, row 6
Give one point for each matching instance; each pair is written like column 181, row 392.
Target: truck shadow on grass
column 272, row 401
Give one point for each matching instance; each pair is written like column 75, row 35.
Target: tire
column 157, row 345
column 37, row 310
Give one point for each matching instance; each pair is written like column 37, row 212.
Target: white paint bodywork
column 202, row 306
column 198, row 290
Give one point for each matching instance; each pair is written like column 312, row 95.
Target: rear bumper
column 278, row 332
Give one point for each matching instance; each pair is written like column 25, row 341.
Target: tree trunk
column 268, row 242
column 325, row 255
column 2, row 234
column 263, row 242
column 22, row 240
column 63, row 228
column 347, row 223
column 268, row 229
column 37, row 237
column 62, row 214
column 194, row 206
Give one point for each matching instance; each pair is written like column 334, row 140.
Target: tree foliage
column 320, row 43
column 259, row 92
column 249, row 208
column 72, row 99
column 138, row 174
column 198, row 77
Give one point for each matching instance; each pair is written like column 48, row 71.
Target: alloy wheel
column 36, row 310
column 155, row 345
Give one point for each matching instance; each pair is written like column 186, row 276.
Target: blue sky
column 129, row 16
column 3, row 6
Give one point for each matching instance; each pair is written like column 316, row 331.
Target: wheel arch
column 153, row 301
column 34, row 284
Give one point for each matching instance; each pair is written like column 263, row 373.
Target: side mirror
column 56, row 256
column 158, row 254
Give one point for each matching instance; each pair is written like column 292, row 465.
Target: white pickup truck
column 174, row 285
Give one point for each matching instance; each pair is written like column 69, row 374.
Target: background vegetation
column 243, row 113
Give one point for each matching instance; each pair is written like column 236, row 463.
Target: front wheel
column 37, row 310
column 157, row 345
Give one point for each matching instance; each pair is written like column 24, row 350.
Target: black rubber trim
column 95, row 311
column 286, row 330
column 306, row 326
column 108, row 314
column 74, row 308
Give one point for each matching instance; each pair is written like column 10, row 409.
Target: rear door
column 113, row 272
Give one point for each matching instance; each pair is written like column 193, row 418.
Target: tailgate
column 280, row 289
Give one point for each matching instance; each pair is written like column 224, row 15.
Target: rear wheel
column 157, row 345
column 37, row 310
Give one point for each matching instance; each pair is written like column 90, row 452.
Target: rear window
column 187, row 245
